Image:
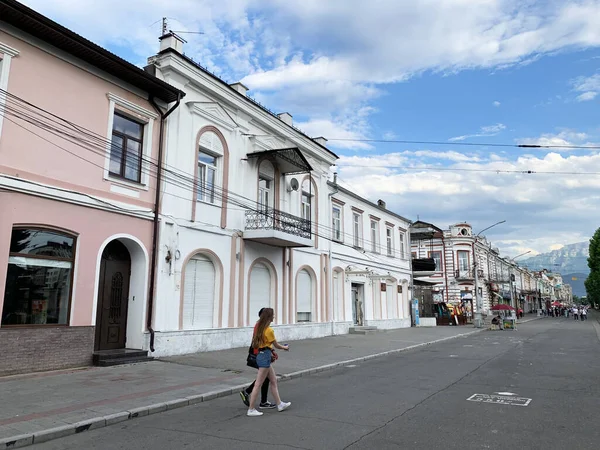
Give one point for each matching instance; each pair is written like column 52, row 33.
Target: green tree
column 592, row 284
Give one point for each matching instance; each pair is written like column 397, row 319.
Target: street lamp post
column 513, row 300
column 478, row 322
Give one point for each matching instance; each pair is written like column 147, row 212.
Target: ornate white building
column 251, row 218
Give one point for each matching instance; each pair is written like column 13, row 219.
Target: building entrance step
column 362, row 330
column 120, row 356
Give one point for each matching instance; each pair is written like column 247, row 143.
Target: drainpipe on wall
column 330, row 274
column 154, row 260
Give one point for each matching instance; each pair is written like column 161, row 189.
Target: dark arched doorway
column 113, row 294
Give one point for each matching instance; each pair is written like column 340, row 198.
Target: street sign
column 500, row 399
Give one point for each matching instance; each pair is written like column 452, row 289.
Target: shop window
column 39, row 278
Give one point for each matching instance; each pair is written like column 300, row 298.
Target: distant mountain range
column 570, row 261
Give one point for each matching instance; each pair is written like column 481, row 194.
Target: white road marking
column 500, row 399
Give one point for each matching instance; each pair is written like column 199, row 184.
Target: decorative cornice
column 132, row 106
column 8, row 50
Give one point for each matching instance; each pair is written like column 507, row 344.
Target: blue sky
column 456, row 71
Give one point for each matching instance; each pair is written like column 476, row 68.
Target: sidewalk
column 41, row 407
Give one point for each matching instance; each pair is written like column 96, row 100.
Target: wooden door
column 113, row 297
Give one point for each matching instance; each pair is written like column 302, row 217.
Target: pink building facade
column 79, row 141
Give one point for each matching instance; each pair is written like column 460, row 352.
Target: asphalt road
column 413, row 400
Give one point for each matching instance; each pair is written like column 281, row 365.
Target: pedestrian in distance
column 584, row 313
column 575, row 313
column 263, row 342
column 264, row 389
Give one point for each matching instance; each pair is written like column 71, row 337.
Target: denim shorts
column 263, row 359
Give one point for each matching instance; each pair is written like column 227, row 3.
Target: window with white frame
column 126, row 148
column 403, row 245
column 437, row 258
column 307, row 200
column 265, row 194
column 336, row 213
column 374, row 236
column 266, row 181
column 357, row 229
column 389, row 235
column 129, row 152
column 210, row 156
column 463, row 262
column 207, row 176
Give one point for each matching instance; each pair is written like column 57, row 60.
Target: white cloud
column 536, row 219
column 485, row 131
column 496, row 103
column 586, row 96
column 564, row 138
column 588, row 86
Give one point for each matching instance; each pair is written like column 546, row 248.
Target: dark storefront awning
column 289, row 160
column 423, row 264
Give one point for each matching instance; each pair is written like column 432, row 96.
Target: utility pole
column 478, row 320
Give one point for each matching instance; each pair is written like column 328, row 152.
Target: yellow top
column 267, row 338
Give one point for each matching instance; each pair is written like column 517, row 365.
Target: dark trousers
column 264, row 390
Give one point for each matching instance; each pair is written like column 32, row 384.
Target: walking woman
column 263, row 342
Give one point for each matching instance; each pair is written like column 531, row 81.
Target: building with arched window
column 246, row 185
column 76, row 204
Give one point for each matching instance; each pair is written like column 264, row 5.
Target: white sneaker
column 283, row 406
column 253, row 413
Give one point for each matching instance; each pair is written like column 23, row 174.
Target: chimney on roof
column 381, row 203
column 286, row 117
column 321, row 140
column 239, row 87
column 172, row 41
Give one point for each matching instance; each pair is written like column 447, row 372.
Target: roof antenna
column 165, row 28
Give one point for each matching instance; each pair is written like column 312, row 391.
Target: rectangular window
column 306, row 206
column 126, row 148
column 38, row 281
column 207, row 177
column 403, row 254
column 437, row 257
column 389, row 240
column 357, row 229
column 264, row 194
column 337, row 223
column 374, row 236
column 463, row 262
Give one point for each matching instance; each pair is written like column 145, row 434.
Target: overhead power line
column 470, row 144
column 17, row 108
column 464, row 169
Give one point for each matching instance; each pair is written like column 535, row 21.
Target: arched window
column 39, row 277
column 260, row 290
column 199, row 293
column 305, row 300
column 266, row 186
column 210, row 167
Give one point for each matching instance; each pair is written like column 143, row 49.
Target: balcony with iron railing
column 464, row 275
column 274, row 227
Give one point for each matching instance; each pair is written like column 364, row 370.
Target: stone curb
column 111, row 419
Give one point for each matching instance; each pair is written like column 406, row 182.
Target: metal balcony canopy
column 289, row 160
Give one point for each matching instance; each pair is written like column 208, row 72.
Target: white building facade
column 251, row 219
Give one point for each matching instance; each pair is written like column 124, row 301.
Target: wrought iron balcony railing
column 461, row 274
column 273, row 219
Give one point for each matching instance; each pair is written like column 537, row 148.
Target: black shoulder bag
column 251, row 359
